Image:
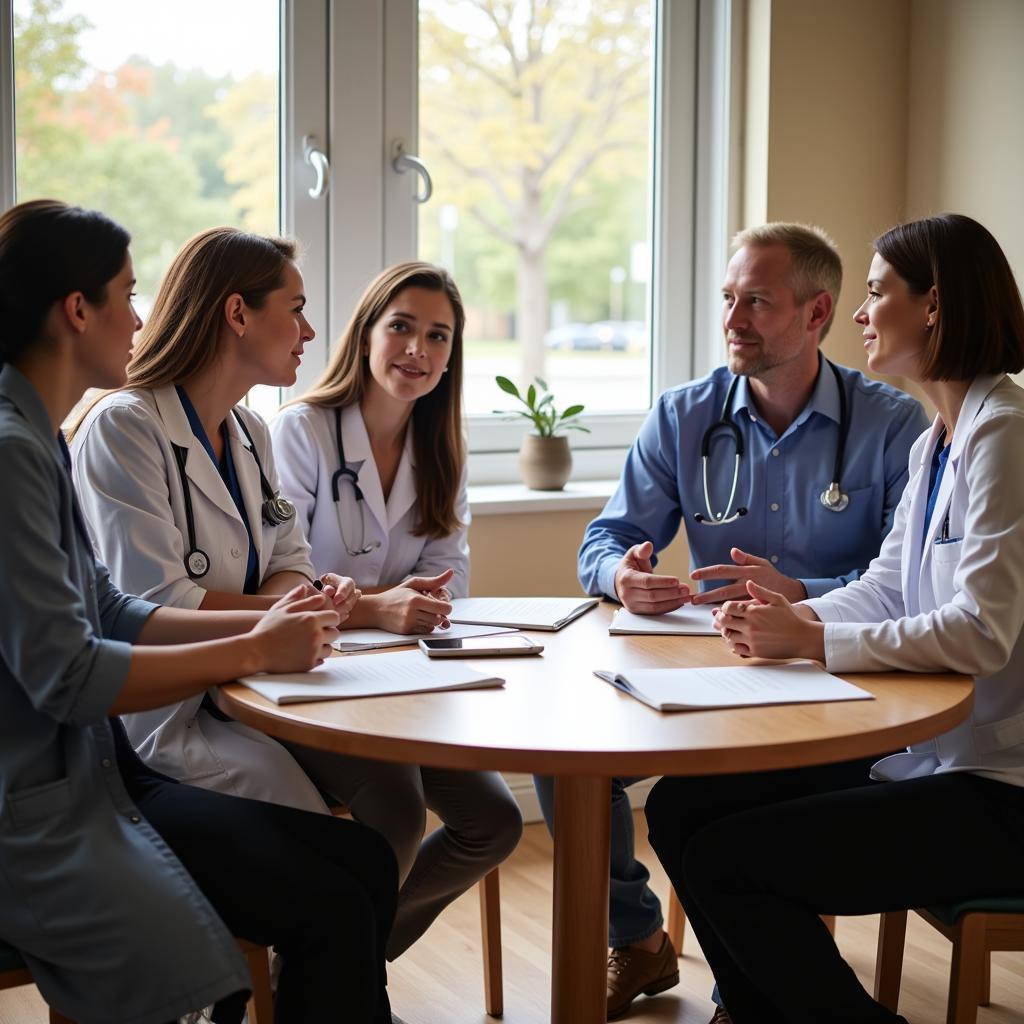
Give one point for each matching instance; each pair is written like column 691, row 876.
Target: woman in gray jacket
column 121, row 888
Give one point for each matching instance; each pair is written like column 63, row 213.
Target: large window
column 575, row 149
column 535, row 124
column 169, row 130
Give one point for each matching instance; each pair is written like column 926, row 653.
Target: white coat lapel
column 252, row 493
column 403, row 490
column 911, row 560
column 199, row 467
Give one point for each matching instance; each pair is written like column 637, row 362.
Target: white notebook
column 544, row 613
column 382, row 675
column 685, row 621
column 701, row 689
column 354, row 640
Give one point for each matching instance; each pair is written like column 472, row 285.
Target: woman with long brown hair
column 373, row 458
column 178, row 484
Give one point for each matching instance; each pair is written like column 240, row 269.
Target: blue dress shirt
column 780, row 481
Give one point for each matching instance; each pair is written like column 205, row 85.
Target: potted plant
column 545, row 461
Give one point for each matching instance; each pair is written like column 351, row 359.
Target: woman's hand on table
column 420, row 604
column 768, row 626
column 342, row 592
column 296, row 634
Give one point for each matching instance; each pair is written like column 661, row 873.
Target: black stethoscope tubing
column 352, row 475
column 276, row 509
column 833, row 497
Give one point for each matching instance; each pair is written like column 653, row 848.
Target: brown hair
column 980, row 326
column 48, row 250
column 438, row 443
column 815, row 265
column 180, row 337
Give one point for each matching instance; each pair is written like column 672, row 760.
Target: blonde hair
column 180, row 337
column 438, row 444
column 815, row 265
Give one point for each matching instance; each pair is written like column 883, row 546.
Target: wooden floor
column 439, row 980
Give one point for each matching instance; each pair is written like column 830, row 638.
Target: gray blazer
column 111, row 924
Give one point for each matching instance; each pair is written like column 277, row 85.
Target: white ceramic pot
column 545, row 462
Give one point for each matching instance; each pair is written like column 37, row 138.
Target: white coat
column 956, row 605
column 129, row 488
column 307, row 454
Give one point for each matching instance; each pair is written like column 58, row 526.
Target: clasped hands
column 758, row 617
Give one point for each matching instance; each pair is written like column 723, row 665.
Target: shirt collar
column 356, row 440
column 824, row 398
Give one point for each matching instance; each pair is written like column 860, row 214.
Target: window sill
column 503, row 499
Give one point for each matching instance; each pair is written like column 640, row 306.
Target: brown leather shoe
column 721, row 1016
column 632, row 971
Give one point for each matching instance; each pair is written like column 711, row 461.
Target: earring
column 445, row 370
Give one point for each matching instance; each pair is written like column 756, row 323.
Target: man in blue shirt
column 772, row 515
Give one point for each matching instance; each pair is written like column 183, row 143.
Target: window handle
column 403, row 162
column 317, row 159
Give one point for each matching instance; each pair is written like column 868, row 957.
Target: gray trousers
column 480, row 826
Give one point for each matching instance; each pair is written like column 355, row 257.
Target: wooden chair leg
column 892, row 933
column 986, row 980
column 829, row 921
column 967, row 970
column 676, row 922
column 261, row 1003
column 490, row 927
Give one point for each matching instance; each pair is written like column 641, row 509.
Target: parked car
column 606, row 335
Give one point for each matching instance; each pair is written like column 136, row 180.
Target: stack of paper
column 353, row 640
column 382, row 675
column 685, row 621
column 700, row 689
column 545, row 613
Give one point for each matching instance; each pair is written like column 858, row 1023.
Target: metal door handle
column 403, row 162
column 317, row 159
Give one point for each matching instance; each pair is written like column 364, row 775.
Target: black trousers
column 321, row 890
column 755, row 858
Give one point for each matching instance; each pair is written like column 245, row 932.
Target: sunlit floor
column 440, row 980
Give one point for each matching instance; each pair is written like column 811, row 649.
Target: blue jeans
column 634, row 912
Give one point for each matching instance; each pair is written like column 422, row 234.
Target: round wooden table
column 554, row 717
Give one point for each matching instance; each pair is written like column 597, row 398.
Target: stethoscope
column 833, row 497
column 353, row 476
column 276, row 509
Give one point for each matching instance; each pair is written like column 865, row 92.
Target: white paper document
column 701, row 689
column 544, row 613
column 685, row 621
column 352, row 640
column 379, row 676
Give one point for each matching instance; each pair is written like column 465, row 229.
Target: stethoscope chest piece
column 277, row 510
column 834, row 499
column 197, row 563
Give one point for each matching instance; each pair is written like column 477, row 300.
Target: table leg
column 579, row 949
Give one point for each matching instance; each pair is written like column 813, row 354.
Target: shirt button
column 134, row 819
column 774, row 559
column 235, row 553
column 105, row 762
column 775, row 452
column 775, row 506
column 753, row 418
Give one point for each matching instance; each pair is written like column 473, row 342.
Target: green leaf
column 508, row 387
column 531, row 397
column 573, row 410
column 543, row 384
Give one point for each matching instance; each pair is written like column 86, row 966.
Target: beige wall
column 836, row 132
column 857, row 114
column 534, row 553
column 965, row 135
